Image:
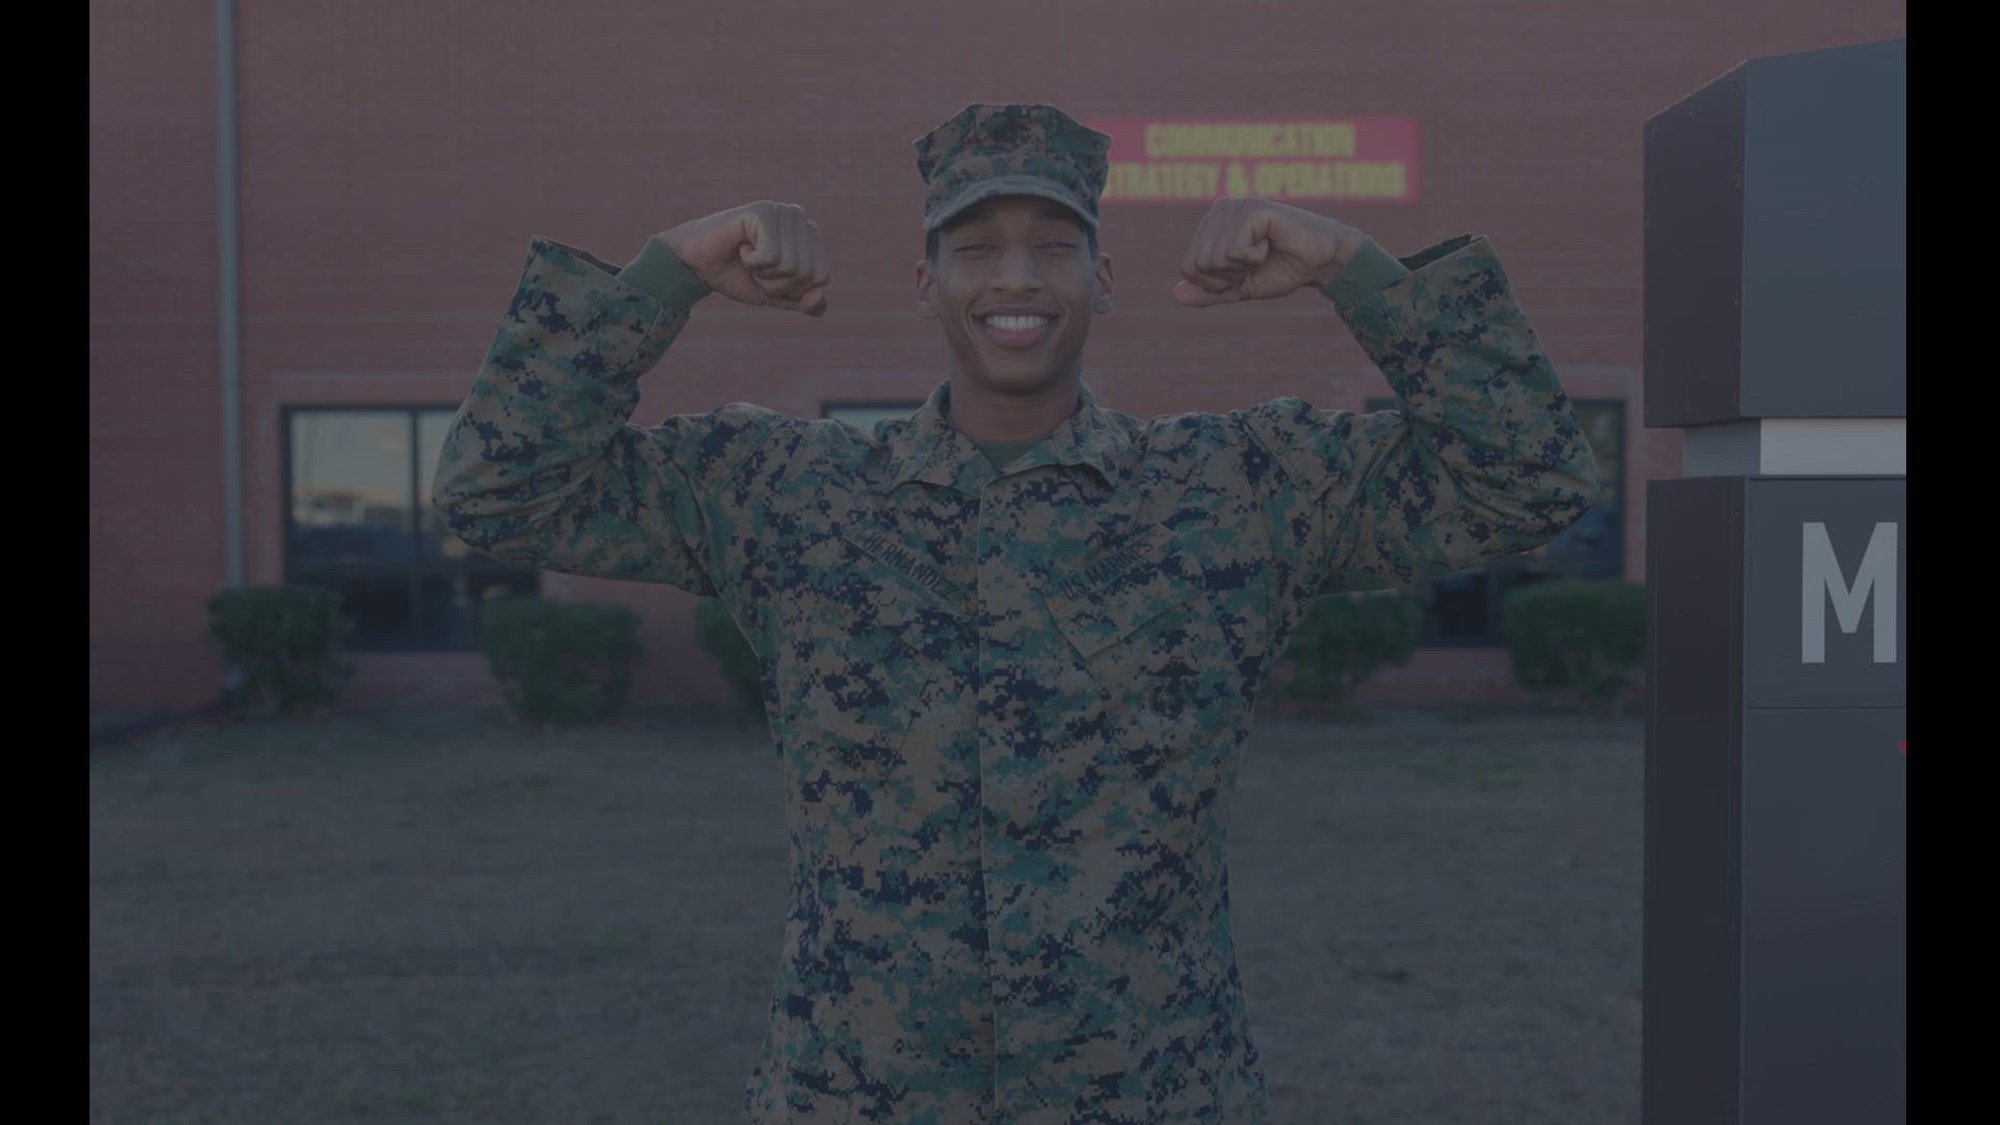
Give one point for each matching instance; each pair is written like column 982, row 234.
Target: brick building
column 391, row 162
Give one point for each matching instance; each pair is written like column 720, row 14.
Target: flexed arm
column 1484, row 456
column 542, row 465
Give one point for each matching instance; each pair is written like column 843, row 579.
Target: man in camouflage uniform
column 1010, row 645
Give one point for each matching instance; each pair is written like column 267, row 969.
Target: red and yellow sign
column 1344, row 159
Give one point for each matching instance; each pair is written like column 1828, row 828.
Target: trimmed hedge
column 716, row 632
column 561, row 662
column 1581, row 640
column 280, row 647
column 1346, row 638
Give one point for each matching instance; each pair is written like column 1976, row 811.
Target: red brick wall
column 155, row 419
column 397, row 158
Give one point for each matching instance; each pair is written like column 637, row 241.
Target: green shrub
column 1346, row 638
column 561, row 662
column 1580, row 640
column 280, row 646
column 716, row 632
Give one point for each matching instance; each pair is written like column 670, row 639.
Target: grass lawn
column 438, row 917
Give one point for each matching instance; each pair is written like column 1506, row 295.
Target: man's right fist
column 761, row 253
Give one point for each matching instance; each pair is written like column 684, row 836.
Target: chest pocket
column 1147, row 632
column 857, row 659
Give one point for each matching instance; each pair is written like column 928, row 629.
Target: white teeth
column 1017, row 323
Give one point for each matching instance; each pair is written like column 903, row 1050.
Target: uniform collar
column 932, row 450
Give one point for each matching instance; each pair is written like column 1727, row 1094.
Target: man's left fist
column 1254, row 250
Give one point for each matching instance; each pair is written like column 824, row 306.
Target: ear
column 1103, row 303
column 926, row 291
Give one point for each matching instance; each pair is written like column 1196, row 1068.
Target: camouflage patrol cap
column 989, row 150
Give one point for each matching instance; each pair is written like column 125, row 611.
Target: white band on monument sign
column 1801, row 447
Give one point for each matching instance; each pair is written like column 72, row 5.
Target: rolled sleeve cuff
column 660, row 273
column 1371, row 271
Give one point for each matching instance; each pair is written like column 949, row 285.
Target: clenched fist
column 1254, row 250
column 761, row 253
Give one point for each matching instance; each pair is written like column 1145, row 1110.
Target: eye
column 973, row 246
column 1059, row 245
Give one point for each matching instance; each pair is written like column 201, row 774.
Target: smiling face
column 1015, row 283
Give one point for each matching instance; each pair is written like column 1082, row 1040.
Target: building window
column 359, row 520
column 1463, row 608
column 864, row 415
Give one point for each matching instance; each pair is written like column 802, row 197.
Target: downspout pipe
column 229, row 297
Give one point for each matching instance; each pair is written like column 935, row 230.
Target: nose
column 1017, row 270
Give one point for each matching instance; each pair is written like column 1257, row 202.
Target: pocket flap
column 1156, row 577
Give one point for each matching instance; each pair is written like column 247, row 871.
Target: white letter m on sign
column 1824, row 582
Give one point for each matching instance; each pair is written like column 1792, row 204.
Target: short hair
column 931, row 241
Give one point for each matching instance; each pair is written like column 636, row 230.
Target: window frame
column 418, row 566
